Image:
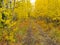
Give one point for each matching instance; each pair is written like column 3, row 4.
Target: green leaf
column 1, row 25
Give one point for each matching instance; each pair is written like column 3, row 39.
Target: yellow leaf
column 7, row 22
column 13, row 23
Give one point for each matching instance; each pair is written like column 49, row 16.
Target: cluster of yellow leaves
column 0, row 16
column 8, row 33
column 8, row 37
column 11, row 38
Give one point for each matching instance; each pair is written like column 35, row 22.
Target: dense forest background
column 29, row 22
